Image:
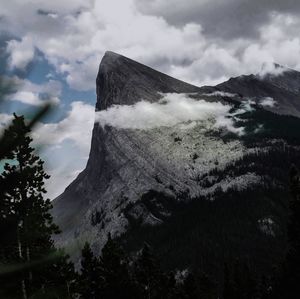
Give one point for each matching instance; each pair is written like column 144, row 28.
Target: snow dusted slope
column 153, row 132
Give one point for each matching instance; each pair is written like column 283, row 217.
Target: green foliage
column 89, row 282
column 30, row 265
column 114, row 270
column 149, row 276
column 240, row 282
column 287, row 285
column 202, row 233
column 206, row 233
column 105, row 277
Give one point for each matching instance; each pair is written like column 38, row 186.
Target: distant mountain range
column 199, row 173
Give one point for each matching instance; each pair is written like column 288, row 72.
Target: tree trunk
column 23, row 285
column 24, row 293
column 68, row 288
column 28, row 260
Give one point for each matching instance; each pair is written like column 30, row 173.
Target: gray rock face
column 125, row 163
column 120, row 162
column 283, row 88
column 123, row 81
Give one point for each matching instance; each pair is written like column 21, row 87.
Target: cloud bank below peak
column 172, row 109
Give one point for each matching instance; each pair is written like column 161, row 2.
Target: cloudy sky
column 51, row 50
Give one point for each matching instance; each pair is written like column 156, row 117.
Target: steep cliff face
column 136, row 177
column 120, row 163
column 124, row 163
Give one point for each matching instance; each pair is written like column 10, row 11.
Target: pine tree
column 115, row 273
column 150, row 278
column 250, row 284
column 191, row 287
column 265, row 288
column 228, row 288
column 240, row 282
column 293, row 256
column 25, row 218
column 173, row 289
column 89, row 282
column 288, row 285
column 63, row 284
column 207, row 288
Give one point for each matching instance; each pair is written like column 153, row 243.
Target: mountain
column 283, row 87
column 200, row 173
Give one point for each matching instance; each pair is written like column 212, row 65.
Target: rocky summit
column 200, row 173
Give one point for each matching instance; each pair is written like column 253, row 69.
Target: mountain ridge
column 283, row 88
column 121, row 80
column 135, row 178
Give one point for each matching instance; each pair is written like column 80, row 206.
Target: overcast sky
column 52, row 50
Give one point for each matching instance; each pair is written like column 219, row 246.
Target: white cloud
column 76, row 127
column 26, row 97
column 65, row 146
column 224, row 121
column 81, row 31
column 5, row 119
column 21, row 52
column 267, row 102
column 169, row 111
column 272, row 69
column 36, row 94
column 63, row 162
column 220, row 93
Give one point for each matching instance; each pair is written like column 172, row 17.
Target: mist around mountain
column 188, row 193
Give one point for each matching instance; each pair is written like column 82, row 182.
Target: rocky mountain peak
column 122, row 81
column 188, row 178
